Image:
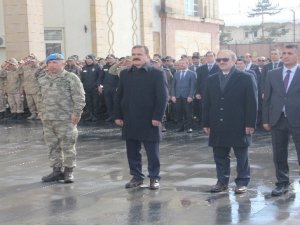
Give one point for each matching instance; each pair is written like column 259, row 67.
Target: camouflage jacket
column 2, row 79
column 13, row 82
column 30, row 83
column 61, row 96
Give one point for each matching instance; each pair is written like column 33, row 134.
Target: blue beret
column 55, row 56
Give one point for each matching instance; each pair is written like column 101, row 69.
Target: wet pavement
column 98, row 196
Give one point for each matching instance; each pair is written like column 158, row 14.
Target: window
column 191, row 7
column 255, row 33
column 246, row 34
column 53, row 41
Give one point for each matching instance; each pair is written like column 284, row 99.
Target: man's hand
column 189, row 99
column 206, row 130
column 173, row 99
column 119, row 122
column 100, row 89
column 156, row 123
column 249, row 130
column 198, row 96
column 267, row 126
column 75, row 119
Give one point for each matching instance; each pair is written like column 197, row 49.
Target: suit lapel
column 232, row 80
column 279, row 79
column 296, row 80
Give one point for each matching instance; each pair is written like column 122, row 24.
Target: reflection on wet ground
column 98, row 195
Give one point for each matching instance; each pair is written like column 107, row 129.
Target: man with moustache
column 61, row 104
column 229, row 117
column 281, row 113
column 141, row 101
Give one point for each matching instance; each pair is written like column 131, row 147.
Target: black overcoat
column 228, row 113
column 142, row 96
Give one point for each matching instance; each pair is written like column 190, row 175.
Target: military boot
column 56, row 175
column 19, row 116
column 68, row 175
column 32, row 117
column 13, row 116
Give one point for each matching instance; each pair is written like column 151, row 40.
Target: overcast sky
column 234, row 12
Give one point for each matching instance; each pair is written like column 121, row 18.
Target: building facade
column 106, row 27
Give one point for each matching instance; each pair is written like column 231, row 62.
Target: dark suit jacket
column 184, row 87
column 265, row 70
column 275, row 98
column 228, row 113
column 202, row 74
column 142, row 96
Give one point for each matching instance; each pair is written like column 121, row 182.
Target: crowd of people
column 229, row 96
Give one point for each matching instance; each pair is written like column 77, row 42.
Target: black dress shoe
column 219, row 187
column 181, row 129
column 109, row 119
column 154, row 184
column 240, row 189
column 134, row 182
column 280, row 190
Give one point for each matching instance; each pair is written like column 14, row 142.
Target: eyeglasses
column 261, row 60
column 222, row 59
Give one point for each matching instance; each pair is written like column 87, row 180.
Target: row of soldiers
column 17, row 79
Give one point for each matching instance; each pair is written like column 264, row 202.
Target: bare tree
column 264, row 7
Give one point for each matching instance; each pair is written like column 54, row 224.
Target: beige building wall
column 146, row 24
column 107, row 26
column 73, row 18
column 116, row 27
column 2, row 33
column 24, row 28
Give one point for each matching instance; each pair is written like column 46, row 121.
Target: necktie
column 209, row 66
column 275, row 65
column 181, row 74
column 286, row 79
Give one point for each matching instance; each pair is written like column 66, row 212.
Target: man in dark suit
column 281, row 113
column 249, row 63
column 202, row 74
column 275, row 63
column 141, row 101
column 182, row 93
column 229, row 117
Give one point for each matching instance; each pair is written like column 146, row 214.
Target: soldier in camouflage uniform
column 30, row 84
column 2, row 91
column 14, row 89
column 61, row 104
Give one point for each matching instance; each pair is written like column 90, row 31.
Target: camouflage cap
column 54, row 56
column 12, row 61
column 32, row 56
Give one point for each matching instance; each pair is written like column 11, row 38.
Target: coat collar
column 147, row 67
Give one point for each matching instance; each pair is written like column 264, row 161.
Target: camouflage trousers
column 15, row 103
column 32, row 103
column 60, row 137
column 2, row 101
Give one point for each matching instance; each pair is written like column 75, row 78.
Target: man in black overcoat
column 229, row 117
column 141, row 101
